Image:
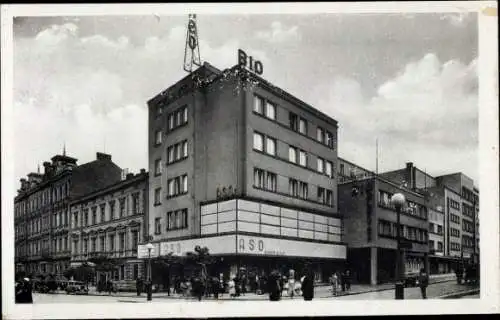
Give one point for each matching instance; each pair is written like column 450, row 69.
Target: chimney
column 103, row 156
column 410, row 175
column 143, row 171
column 124, row 174
column 130, row 176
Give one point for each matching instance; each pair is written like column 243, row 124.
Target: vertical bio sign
column 249, row 62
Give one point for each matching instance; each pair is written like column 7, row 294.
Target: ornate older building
column 41, row 209
column 107, row 225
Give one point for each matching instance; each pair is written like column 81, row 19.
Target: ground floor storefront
column 44, row 267
column 116, row 270
column 377, row 265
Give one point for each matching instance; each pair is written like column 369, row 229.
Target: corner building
column 246, row 169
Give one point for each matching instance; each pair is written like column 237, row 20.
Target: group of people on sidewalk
column 340, row 281
column 24, row 291
column 279, row 285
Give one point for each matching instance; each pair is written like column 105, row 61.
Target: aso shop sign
column 257, row 245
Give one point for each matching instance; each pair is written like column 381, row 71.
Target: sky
column 408, row 80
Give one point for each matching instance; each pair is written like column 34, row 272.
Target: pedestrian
column 274, row 286
column 423, row 281
column 167, row 284
column 342, row 281
column 335, row 283
column 347, row 280
column 291, row 283
column 307, row 286
column 138, row 284
column 232, row 286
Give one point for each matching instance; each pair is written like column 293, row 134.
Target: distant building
column 246, row 169
column 456, row 200
column 107, row 226
column 41, row 210
column 370, row 225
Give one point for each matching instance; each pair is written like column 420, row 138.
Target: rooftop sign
column 249, row 62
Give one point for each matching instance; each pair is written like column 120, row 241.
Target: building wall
column 452, row 196
column 279, row 164
column 353, row 210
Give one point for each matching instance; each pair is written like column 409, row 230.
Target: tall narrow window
column 320, row 135
column 135, row 203
column 293, row 187
column 94, row 215
column 303, row 190
column 171, row 121
column 157, row 197
column 157, row 226
column 112, row 210
column 270, row 110
column 185, row 115
column 294, row 121
column 329, row 169
column 321, row 195
column 303, row 158
column 170, row 154
column 329, row 139
column 321, row 165
column 271, row 182
column 270, row 146
column 184, row 149
column 122, row 241
column 329, row 197
column 258, row 105
column 122, row 207
column 184, row 184
column 303, row 126
column 258, row 141
column 158, row 136
column 112, row 242
column 292, row 154
column 259, row 178
column 135, row 239
column 157, row 167
column 102, row 208
column 102, row 243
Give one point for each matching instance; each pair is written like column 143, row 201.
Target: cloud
column 426, row 112
column 278, row 33
column 91, row 92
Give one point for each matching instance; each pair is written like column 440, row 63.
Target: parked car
column 76, row 287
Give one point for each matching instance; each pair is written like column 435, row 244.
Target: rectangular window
column 111, row 209
column 259, row 178
column 303, row 190
column 270, row 110
column 170, row 154
column 86, row 217
column 329, row 197
column 157, row 167
column 135, row 239
column 157, row 226
column 270, row 146
column 184, row 149
column 85, row 246
column 258, row 105
column 102, row 242
column 75, row 221
column 293, row 187
column 135, row 203
column 94, row 215
column 122, row 207
column 320, row 135
column 159, row 111
column 177, row 219
column 171, row 121
column 440, row 229
column 329, row 169
column 184, row 184
column 294, row 121
column 102, row 208
column 329, row 139
column 158, row 136
column 303, row 126
column 271, row 183
column 321, row 165
column 112, row 242
column 122, row 241
column 321, row 195
column 292, row 154
column 93, row 246
column 157, row 196
column 302, row 158
column 258, row 141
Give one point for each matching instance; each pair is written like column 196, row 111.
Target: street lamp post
column 150, row 247
column 398, row 200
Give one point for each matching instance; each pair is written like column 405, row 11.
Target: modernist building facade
column 370, row 224
column 455, row 200
column 247, row 170
column 41, row 210
column 108, row 225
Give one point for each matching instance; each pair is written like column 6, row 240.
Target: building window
column 177, row 118
column 321, row 165
column 177, row 219
column 329, row 169
column 294, row 121
column 93, row 247
column 320, row 135
column 431, row 244
column 329, row 139
column 86, row 217
column 302, row 158
column 75, row 221
column 258, row 141
column 135, row 239
column 258, row 105
column 329, row 198
column 94, row 215
column 159, row 111
column 321, row 195
column 122, row 207
column 157, row 167
column 177, row 186
column 271, row 183
column 158, row 136
column 259, row 178
column 122, row 241
column 303, row 126
column 270, row 110
column 177, row 152
column 111, row 242
column 102, row 241
column 385, row 228
column 103, row 212
column 111, row 209
column 157, row 226
column 303, row 190
column 85, row 246
column 157, row 196
column 270, row 146
column 292, row 154
column 135, row 203
column 293, row 187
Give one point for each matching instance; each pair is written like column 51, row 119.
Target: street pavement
column 358, row 292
